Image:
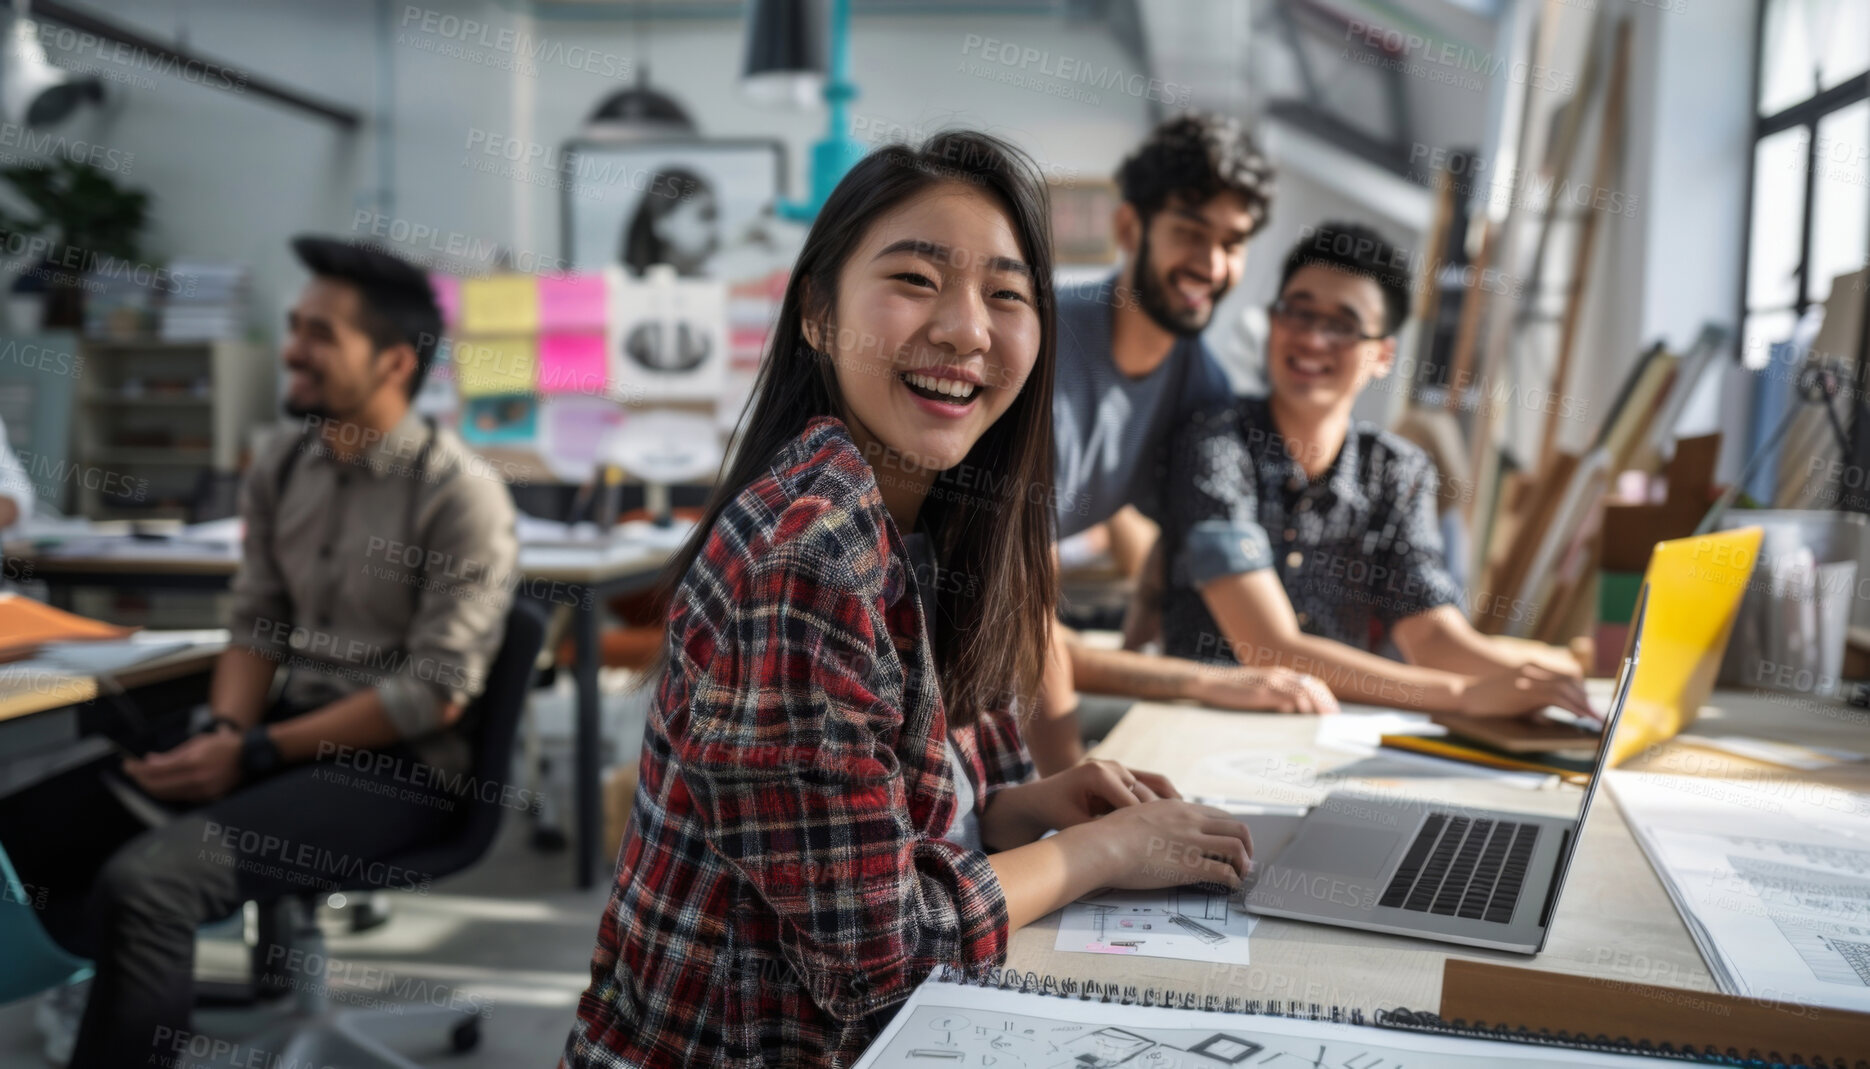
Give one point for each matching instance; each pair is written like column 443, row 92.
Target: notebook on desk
column 1008, row 1018
column 1518, row 735
column 26, row 625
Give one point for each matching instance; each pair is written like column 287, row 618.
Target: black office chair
column 312, row 1033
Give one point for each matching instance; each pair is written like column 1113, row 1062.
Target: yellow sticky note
column 500, row 304
column 495, row 365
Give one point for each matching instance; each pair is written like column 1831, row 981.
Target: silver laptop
column 1481, row 877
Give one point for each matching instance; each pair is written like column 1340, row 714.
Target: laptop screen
column 1626, row 674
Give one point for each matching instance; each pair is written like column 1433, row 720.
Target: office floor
column 509, row 935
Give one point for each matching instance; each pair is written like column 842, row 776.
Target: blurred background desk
column 577, row 578
column 41, row 727
column 1615, row 920
column 593, row 578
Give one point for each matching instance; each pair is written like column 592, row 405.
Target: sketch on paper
column 946, row 1025
column 1193, row 923
column 937, row 1038
column 1777, row 899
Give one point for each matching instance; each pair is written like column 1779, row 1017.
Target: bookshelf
column 154, row 416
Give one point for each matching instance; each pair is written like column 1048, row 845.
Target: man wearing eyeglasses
column 1298, row 538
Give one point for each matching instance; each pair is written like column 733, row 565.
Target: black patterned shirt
column 1357, row 550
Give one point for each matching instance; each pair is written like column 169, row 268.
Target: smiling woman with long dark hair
column 834, row 796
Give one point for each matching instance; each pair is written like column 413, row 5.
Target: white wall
column 229, row 175
column 233, row 175
column 1699, row 90
column 914, row 74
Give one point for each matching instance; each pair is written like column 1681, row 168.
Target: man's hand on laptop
column 1277, row 690
column 1526, row 689
column 1557, row 659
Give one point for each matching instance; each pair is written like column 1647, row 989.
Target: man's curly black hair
column 1193, row 158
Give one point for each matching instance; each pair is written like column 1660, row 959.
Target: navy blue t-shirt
column 1112, row 431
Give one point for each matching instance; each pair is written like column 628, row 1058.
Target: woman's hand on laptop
column 1276, row 690
column 1526, row 689
column 1168, row 843
column 1083, row 792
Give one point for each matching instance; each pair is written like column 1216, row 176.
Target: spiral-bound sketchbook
column 1015, row 1021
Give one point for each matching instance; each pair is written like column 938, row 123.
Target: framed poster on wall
column 686, row 203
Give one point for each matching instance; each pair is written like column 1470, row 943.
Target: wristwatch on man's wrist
column 221, row 720
column 259, row 755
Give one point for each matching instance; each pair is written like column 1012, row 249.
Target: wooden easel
column 1530, row 503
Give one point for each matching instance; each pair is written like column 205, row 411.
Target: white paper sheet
column 120, row 547
column 101, row 658
column 1803, row 758
column 105, row 657
column 1362, row 733
column 1180, row 922
column 952, row 1025
column 1772, row 879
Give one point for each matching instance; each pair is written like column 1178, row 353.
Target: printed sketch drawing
column 1192, row 923
column 935, row 1036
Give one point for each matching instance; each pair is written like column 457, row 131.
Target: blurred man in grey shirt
column 378, row 567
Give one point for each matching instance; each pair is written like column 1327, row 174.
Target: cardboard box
column 1631, row 531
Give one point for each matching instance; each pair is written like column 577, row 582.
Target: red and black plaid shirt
column 785, row 875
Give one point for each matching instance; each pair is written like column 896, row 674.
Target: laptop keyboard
column 1463, row 867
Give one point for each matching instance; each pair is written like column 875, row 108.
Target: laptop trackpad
column 1339, row 849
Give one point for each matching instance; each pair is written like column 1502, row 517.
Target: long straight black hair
column 990, row 518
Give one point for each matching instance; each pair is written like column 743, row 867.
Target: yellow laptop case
column 1695, row 587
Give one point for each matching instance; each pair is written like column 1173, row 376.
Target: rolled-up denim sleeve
column 1212, row 517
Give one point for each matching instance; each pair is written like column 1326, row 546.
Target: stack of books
column 118, row 305
column 208, row 302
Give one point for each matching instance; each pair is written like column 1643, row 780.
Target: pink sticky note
column 572, row 363
column 573, row 302
column 447, row 297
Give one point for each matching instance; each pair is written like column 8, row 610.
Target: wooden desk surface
column 52, row 565
column 23, row 693
column 26, row 693
column 1615, row 920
